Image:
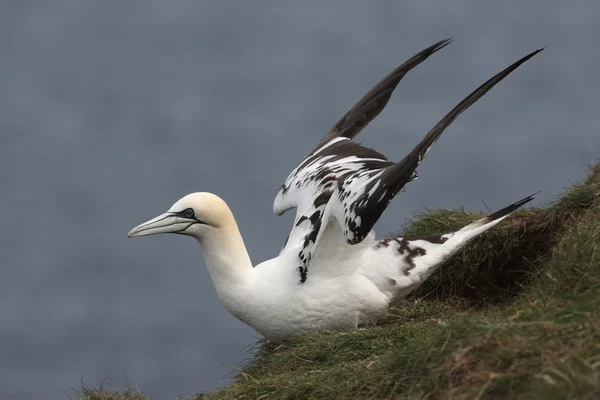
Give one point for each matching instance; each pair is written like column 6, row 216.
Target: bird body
column 332, row 272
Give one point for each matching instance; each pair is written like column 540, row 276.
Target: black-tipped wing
column 368, row 202
column 352, row 183
column 372, row 103
column 310, row 186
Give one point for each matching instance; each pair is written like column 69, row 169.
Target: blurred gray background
column 112, row 110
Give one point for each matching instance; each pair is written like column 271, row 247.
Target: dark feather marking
column 383, row 243
column 315, row 220
column 322, row 199
column 315, row 217
column 412, row 254
column 409, row 254
column 402, row 246
column 303, row 271
column 312, row 235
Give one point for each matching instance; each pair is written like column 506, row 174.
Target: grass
column 515, row 315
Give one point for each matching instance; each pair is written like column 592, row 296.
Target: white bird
column 331, row 273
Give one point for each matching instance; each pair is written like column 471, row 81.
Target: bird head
column 196, row 215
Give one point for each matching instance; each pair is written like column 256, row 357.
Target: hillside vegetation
column 515, row 315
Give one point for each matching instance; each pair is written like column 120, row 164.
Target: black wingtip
column 435, row 47
column 433, row 135
column 420, row 57
column 507, row 210
column 527, row 57
column 443, row 43
column 375, row 100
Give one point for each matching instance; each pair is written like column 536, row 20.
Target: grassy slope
column 515, row 315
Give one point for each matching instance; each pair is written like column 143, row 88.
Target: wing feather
column 352, row 184
column 362, row 197
column 375, row 100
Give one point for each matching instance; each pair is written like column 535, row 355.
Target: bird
column 332, row 273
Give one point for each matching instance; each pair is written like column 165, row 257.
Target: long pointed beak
column 164, row 223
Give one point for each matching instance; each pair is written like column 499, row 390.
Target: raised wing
column 375, row 100
column 351, row 183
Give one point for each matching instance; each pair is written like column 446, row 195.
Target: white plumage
column 332, row 273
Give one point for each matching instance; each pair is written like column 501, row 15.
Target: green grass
column 515, row 315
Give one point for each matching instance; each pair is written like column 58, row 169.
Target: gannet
column 332, row 273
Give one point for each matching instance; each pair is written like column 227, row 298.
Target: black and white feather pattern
column 353, row 184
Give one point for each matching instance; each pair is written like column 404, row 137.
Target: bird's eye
column 188, row 213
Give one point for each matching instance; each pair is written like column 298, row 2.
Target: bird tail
column 411, row 260
column 469, row 232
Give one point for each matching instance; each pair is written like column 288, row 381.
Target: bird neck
column 226, row 258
